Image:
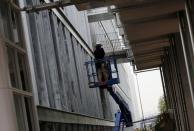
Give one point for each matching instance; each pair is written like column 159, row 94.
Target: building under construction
column 45, row 46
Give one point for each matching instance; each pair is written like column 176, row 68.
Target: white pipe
column 26, row 37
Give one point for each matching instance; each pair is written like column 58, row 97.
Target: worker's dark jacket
column 99, row 55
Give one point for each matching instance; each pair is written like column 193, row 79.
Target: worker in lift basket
column 100, row 64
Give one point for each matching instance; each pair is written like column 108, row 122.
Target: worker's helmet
column 98, row 45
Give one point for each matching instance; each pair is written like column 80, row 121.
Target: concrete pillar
column 186, row 62
column 190, row 26
column 8, row 120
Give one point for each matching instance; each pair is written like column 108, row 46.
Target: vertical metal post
column 166, row 79
column 109, row 68
column 186, row 59
column 172, row 88
column 182, row 95
column 177, row 84
column 189, row 22
column 123, row 127
column 166, row 84
column 140, row 101
column 88, row 72
column 92, row 66
column 163, row 85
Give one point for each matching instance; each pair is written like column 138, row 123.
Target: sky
column 150, row 86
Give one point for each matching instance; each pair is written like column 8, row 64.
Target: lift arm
column 125, row 112
column 113, row 79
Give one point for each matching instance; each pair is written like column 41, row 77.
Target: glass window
column 12, row 67
column 18, row 70
column 23, row 112
column 23, row 73
column 19, row 75
column 28, row 106
column 15, row 21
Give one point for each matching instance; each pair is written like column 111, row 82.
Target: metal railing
column 111, row 70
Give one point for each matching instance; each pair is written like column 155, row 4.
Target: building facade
column 43, row 80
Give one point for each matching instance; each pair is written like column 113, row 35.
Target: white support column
column 35, row 98
column 29, row 52
column 8, row 121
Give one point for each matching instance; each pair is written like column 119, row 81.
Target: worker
column 100, row 64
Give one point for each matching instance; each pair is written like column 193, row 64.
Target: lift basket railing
column 111, row 70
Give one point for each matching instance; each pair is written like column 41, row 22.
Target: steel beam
column 100, row 17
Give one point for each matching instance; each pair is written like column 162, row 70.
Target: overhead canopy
column 147, row 24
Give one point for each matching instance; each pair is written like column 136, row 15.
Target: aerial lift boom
column 113, row 78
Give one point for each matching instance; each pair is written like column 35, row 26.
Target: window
column 16, row 27
column 23, row 73
column 18, row 70
column 21, row 88
column 19, row 75
column 23, row 112
column 12, row 66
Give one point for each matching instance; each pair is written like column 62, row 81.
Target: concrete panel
column 35, row 33
column 57, row 116
column 51, row 72
column 60, row 50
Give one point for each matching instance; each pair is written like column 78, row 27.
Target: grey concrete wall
column 80, row 21
column 59, row 65
column 59, row 59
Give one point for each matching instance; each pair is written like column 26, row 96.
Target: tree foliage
column 162, row 105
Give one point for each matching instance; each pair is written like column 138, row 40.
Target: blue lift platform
column 113, row 78
column 112, row 71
